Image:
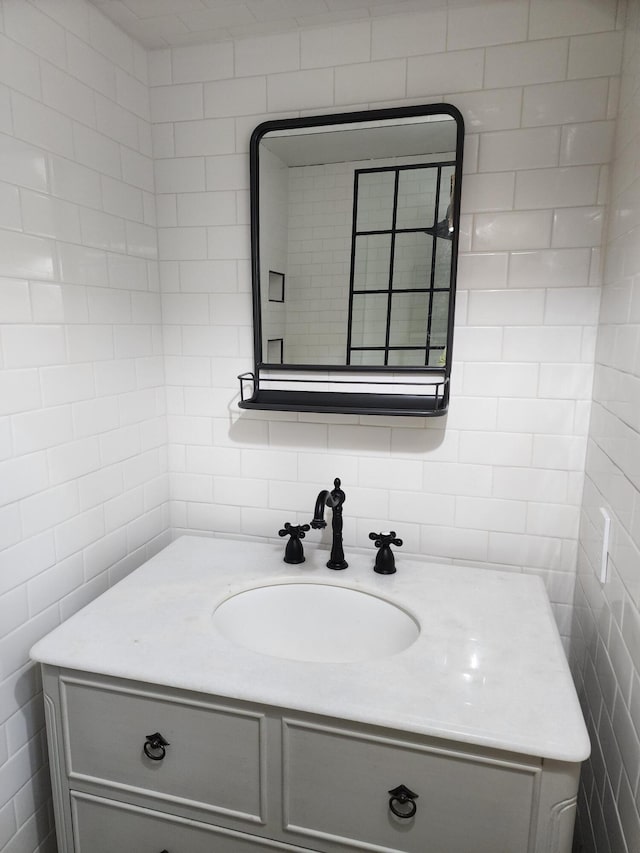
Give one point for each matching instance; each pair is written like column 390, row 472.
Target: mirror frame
column 348, row 389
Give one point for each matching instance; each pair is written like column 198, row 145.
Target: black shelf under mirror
column 420, row 398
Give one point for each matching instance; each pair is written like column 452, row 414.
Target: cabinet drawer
column 337, row 783
column 105, row 826
column 214, row 759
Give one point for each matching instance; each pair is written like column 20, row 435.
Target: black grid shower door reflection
column 400, row 266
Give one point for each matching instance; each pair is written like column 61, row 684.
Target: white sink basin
column 315, row 622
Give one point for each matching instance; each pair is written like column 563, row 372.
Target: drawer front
column 214, row 759
column 337, row 783
column 105, row 826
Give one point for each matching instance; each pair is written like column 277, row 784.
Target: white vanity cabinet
column 237, row 778
column 166, row 736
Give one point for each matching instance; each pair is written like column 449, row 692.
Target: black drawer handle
column 403, row 802
column 154, row 747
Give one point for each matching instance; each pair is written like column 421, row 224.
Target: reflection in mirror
column 274, row 350
column 276, row 286
column 348, row 226
column 396, row 253
column 359, row 213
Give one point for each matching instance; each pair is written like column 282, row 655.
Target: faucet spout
column 318, row 522
column 334, row 499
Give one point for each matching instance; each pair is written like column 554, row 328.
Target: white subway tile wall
column 539, row 136
column 83, row 459
column 605, row 647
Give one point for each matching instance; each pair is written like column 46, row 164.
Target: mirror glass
column 354, row 228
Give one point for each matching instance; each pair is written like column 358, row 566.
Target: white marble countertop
column 488, row 667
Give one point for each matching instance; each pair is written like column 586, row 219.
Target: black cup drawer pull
column 403, row 802
column 155, row 747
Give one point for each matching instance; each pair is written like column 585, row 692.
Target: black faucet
column 334, row 498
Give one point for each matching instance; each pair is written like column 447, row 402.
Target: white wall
column 606, row 646
column 83, row 485
column 319, row 219
column 499, row 481
column 82, row 429
column 274, row 203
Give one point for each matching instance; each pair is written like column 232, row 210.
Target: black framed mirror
column 359, row 212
